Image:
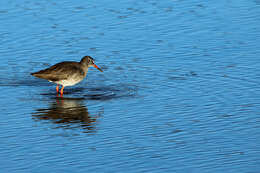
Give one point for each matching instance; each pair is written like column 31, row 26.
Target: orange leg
column 61, row 91
column 57, row 88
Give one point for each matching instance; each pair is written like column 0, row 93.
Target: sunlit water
column 179, row 93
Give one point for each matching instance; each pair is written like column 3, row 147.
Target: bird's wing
column 60, row 71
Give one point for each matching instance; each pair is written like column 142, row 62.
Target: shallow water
column 179, row 92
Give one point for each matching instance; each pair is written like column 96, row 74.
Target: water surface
column 179, row 93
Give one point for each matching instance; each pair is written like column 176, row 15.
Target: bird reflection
column 68, row 113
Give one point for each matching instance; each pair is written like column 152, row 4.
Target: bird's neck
column 84, row 67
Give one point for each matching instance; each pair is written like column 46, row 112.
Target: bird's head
column 89, row 61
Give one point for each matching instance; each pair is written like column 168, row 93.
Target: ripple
column 97, row 93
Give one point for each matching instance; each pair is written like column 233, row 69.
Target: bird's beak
column 97, row 67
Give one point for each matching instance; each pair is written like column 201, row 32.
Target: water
column 179, row 93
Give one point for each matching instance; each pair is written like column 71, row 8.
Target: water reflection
column 68, row 113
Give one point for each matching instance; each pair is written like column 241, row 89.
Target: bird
column 67, row 73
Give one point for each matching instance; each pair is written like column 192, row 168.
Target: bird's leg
column 61, row 91
column 57, row 88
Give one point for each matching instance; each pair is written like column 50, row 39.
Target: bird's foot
column 57, row 88
column 61, row 91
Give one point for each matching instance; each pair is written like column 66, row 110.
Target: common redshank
column 67, row 73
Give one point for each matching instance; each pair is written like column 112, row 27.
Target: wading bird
column 67, row 73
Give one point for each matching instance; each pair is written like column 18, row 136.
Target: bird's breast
column 70, row 81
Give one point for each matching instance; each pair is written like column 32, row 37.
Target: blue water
column 179, row 93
